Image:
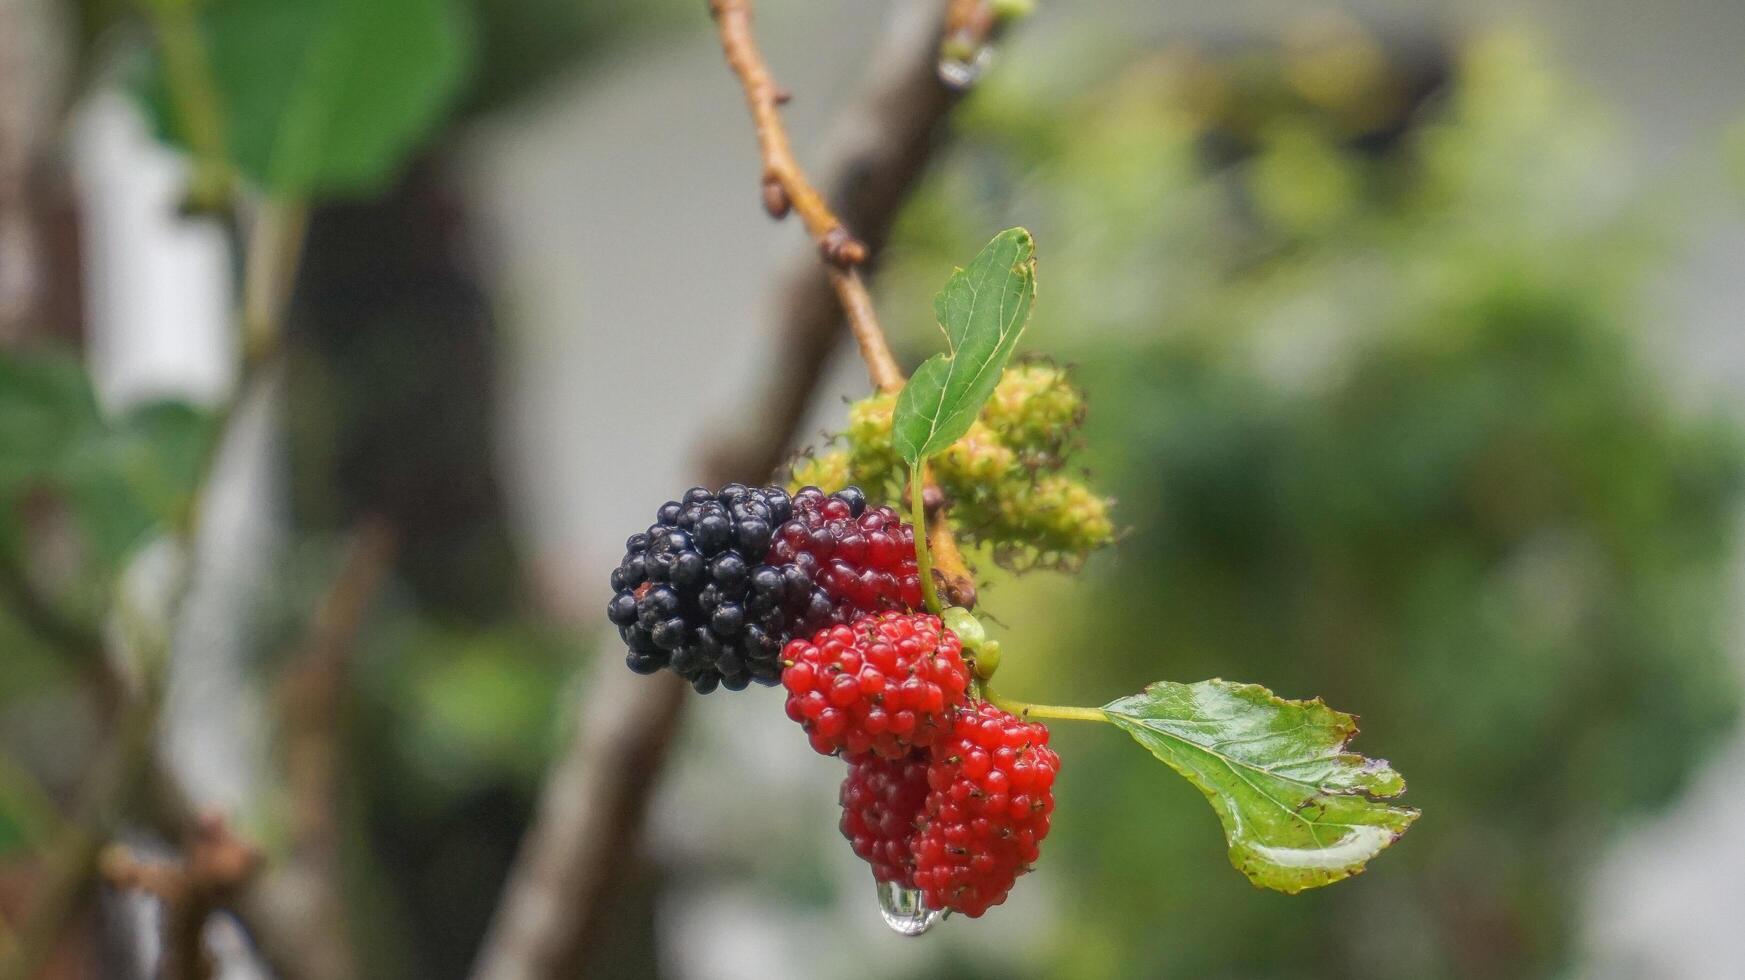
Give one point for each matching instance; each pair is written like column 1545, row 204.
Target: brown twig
column 71, row 861
column 964, row 15
column 292, row 910
column 785, row 187
column 585, row 834
column 971, row 26
column 957, row 586
column 215, row 865
column 785, row 182
column 881, row 364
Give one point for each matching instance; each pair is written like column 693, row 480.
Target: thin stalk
column 270, row 260
column 918, row 517
column 198, row 109
column 272, row 254
column 1060, row 712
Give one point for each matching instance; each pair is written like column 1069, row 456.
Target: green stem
column 1061, row 712
column 32, row 810
column 918, row 517
column 194, row 94
column 271, row 256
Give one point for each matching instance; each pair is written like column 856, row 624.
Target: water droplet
column 963, row 63
column 904, row 911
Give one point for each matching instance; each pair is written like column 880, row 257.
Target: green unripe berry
column 964, row 623
column 987, row 660
column 982, row 650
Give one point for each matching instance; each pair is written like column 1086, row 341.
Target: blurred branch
column 293, row 910
column 314, row 699
column 315, row 687
column 215, row 864
column 69, row 867
column 588, row 826
column 274, row 251
column 194, row 96
column 71, row 864
column 33, row 61
column 271, row 257
column 74, row 640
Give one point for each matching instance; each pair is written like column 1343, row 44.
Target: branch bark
column 588, row 826
column 216, row 863
column 34, row 61
column 293, row 910
column 314, row 696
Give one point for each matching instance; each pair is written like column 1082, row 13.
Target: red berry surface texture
column 990, row 793
column 882, row 802
column 863, row 559
column 886, row 684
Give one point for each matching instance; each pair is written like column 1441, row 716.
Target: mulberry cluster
column 943, row 794
column 989, row 797
column 1004, row 477
column 720, row 582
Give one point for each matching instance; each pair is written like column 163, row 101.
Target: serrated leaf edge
column 1244, row 857
column 1348, row 729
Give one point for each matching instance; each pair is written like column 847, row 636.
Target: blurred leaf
column 46, row 404
column 1297, row 809
column 27, row 815
column 983, row 310
column 118, row 478
column 327, row 96
column 12, row 835
column 462, row 707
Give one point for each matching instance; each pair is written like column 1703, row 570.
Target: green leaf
column 983, row 310
column 1298, row 810
column 119, row 478
column 326, row 96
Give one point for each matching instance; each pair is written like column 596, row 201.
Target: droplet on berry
column 905, row 911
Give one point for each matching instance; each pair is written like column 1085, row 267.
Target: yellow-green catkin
column 1003, row 477
column 1035, row 408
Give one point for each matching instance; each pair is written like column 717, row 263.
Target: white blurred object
column 157, row 285
column 1667, row 900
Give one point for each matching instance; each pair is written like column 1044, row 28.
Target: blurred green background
column 1372, row 320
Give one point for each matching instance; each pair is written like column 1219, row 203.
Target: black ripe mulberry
column 703, row 592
